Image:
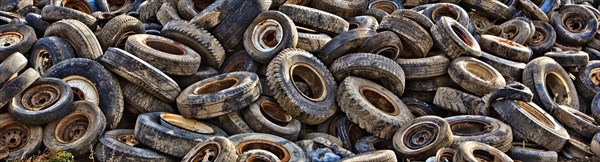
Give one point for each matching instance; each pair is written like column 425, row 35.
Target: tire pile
column 300, row 80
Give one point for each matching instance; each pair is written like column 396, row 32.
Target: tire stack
column 300, row 80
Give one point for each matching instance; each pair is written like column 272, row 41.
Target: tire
column 240, row 61
column 544, row 71
column 492, row 9
column 55, row 13
column 435, row 12
column 475, row 76
column 85, row 113
column 90, row 81
column 266, row 116
column 454, row 39
column 512, row 71
column 513, row 91
column 576, row 121
column 543, row 38
column 81, row 38
column 505, row 48
column 314, row 109
column 24, row 147
column 118, row 29
column 122, row 7
column 363, row 22
column 379, row 156
column 490, row 131
column 429, row 84
column 376, row 13
column 343, row 9
column 311, row 42
column 225, row 150
column 141, row 74
column 49, row 51
column 269, row 34
column 20, row 39
column 594, row 54
column 187, row 9
column 219, row 95
column 415, row 16
column 35, row 20
column 141, row 101
column 165, row 54
column 416, row 41
column 371, row 66
column 17, row 85
column 458, row 101
column 372, row 143
column 315, row 19
column 480, row 23
column 419, row 108
column 11, row 66
column 203, row 73
column 574, row 36
column 347, row 42
column 167, row 13
column 532, row 10
column 413, row 67
column 595, row 107
column 230, row 32
column 155, row 132
column 586, row 80
column 467, row 152
column 385, row 43
column 577, row 149
column 234, row 123
column 518, row 30
column 437, row 129
column 148, row 11
column 595, row 145
column 530, row 152
column 569, row 59
column 46, row 100
column 117, row 144
column 258, row 154
column 530, row 121
column 273, row 144
column 210, row 50
column 371, row 110
column 330, row 138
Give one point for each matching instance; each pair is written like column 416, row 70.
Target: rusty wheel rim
column 307, row 74
column 538, row 37
column 72, row 127
column 574, row 23
column 216, row 86
column 557, row 89
column 279, row 150
column 379, row 100
column 43, row 61
column 78, row 5
column 186, row 124
column 8, row 39
column 445, row 155
column 208, row 152
column 267, row 35
column 274, row 113
column 128, row 139
column 469, row 127
column 165, row 46
column 464, row 37
column 40, row 97
column 444, row 11
column 14, row 135
column 420, row 135
column 385, row 6
column 595, row 76
column 83, row 89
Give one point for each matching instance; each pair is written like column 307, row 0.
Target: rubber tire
column 416, row 40
column 58, row 49
column 185, row 62
column 435, row 13
column 454, row 39
column 545, row 30
column 529, row 120
column 384, row 43
column 568, row 59
column 57, row 108
column 505, row 48
column 530, row 152
column 344, row 43
column 35, row 20
column 462, row 74
column 187, row 9
column 585, row 83
column 258, row 154
column 374, row 67
column 17, row 85
column 315, row 19
column 256, row 118
column 23, row 46
column 116, row 31
column 55, row 13
column 574, row 37
column 81, row 38
column 234, row 123
column 289, row 37
column 413, row 67
column 372, row 143
column 368, row 115
column 518, row 30
column 497, row 133
column 312, row 42
column 379, row 156
column 139, row 101
column 363, row 22
column 466, row 152
column 512, row 71
column 141, row 73
column 167, row 13
column 332, row 139
column 11, row 65
column 210, row 50
column 441, row 136
column 535, row 75
column 220, row 101
column 344, row 9
column 420, row 108
column 109, row 147
column 240, row 61
column 107, row 86
column 295, row 152
column 213, row 14
column 225, row 152
column 31, row 146
column 576, row 121
column 292, row 101
column 82, row 145
column 203, row 73
column 429, row 84
column 230, row 32
column 415, row 16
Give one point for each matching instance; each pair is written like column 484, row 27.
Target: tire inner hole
column 469, row 127
column 479, row 71
column 444, row 11
column 462, row 35
column 379, row 100
column 279, row 150
column 385, row 6
column 484, row 156
column 595, row 76
column 274, row 113
column 216, row 86
column 306, row 74
column 557, row 90
column 391, row 52
column 200, row 5
column 40, row 97
column 164, row 46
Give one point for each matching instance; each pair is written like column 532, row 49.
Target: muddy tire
column 330, row 138
column 343, row 9
column 17, row 85
column 415, row 16
column 435, row 12
column 266, row 116
column 290, row 63
column 315, row 19
column 510, row 70
column 225, row 150
column 363, row 22
column 20, row 38
column 55, row 13
column 375, row 67
column 481, row 129
column 586, row 82
column 118, row 29
column 284, row 149
column 406, row 139
column 81, row 38
column 576, row 121
column 505, row 48
column 454, row 39
column 544, row 76
column 230, row 32
column 240, row 61
column 458, row 101
column 312, row 42
column 565, row 23
column 530, row 152
column 35, row 20
column 568, row 59
column 420, row 108
column 344, row 43
column 380, row 156
column 49, row 51
column 467, row 152
column 429, row 84
column 117, row 144
column 141, row 101
column 258, row 154
column 212, row 15
column 413, row 67
column 385, row 43
column 78, row 131
column 11, row 66
column 203, row 73
column 475, row 76
column 165, row 54
column 187, row 9
column 46, row 100
column 92, row 82
column 234, row 123
column 219, row 95
column 543, row 38
column 200, row 40
column 416, row 40
column 493, row 9
column 167, row 13
column 367, row 104
column 372, row 143
column 269, row 34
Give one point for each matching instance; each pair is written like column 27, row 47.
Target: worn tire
column 118, row 29
column 268, row 34
column 385, row 43
column 315, row 19
column 530, row 152
column 568, row 59
column 28, row 146
column 379, row 156
column 489, row 131
column 81, row 38
column 25, row 38
column 440, row 135
column 11, row 66
column 371, row 66
column 454, row 39
column 203, row 73
column 344, row 9
column 413, row 67
column 475, row 76
column 266, row 116
column 292, row 152
column 225, row 150
column 139, row 101
column 54, row 49
column 363, row 22
column 55, row 13
column 240, row 61
column 416, row 40
column 312, row 42
column 544, row 71
column 512, row 71
column 543, row 38
column 165, row 54
column 457, row 101
column 110, row 146
column 17, row 85
column 505, row 48
column 467, row 152
column 33, row 108
column 570, row 35
column 586, row 81
column 344, row 43
column 234, row 123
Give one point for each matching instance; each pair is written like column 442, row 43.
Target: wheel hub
column 40, row 97
column 7, row 39
column 267, row 35
column 72, row 127
column 14, row 136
